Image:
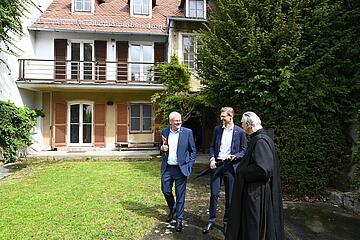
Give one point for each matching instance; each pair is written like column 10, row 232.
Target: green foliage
column 310, row 157
column 177, row 95
column 355, row 184
column 287, row 60
column 16, row 126
column 11, row 12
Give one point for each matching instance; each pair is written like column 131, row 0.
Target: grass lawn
column 81, row 200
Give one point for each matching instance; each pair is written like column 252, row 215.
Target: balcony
column 34, row 72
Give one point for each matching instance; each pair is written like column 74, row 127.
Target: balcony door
column 81, row 60
column 141, row 58
column 80, row 124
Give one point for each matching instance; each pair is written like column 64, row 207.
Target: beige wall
column 46, row 121
column 176, row 45
column 101, row 97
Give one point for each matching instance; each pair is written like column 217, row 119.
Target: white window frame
column 141, row 44
column 81, row 70
column 181, row 49
column 188, row 9
column 141, row 117
column 74, row 10
column 132, row 9
column 81, row 123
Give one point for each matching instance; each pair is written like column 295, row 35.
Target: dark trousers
column 225, row 173
column 171, row 175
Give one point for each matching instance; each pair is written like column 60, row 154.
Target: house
column 89, row 68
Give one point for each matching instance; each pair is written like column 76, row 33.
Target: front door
column 81, row 117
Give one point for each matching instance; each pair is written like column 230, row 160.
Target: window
column 80, row 124
column 141, row 59
column 83, row 5
column 140, row 117
column 196, row 8
column 189, row 51
column 81, row 54
column 141, row 7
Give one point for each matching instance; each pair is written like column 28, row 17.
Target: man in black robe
column 256, row 207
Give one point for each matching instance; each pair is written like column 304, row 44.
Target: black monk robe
column 256, row 206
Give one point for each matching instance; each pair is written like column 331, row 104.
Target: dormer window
column 83, row 5
column 196, row 8
column 141, row 7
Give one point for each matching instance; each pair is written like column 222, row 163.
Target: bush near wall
column 16, row 124
column 310, row 155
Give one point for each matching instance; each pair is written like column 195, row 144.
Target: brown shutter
column 122, row 123
column 122, row 57
column 60, row 113
column 60, row 49
column 159, row 52
column 100, row 58
column 157, row 124
column 99, row 124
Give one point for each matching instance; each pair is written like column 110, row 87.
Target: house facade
column 89, row 68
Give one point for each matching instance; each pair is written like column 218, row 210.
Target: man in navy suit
column 179, row 153
column 227, row 148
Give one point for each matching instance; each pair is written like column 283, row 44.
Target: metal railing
column 86, row 71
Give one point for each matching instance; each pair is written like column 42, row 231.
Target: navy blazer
column 186, row 150
column 238, row 143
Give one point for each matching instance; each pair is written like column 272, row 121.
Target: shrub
column 310, row 156
column 16, row 124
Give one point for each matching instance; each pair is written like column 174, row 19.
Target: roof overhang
column 187, row 19
column 95, row 31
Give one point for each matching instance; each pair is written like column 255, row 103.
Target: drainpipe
column 170, row 36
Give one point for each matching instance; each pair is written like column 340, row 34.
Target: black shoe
column 178, row 226
column 170, row 216
column 225, row 228
column 207, row 228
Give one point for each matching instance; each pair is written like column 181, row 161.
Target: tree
column 177, row 95
column 293, row 62
column 11, row 12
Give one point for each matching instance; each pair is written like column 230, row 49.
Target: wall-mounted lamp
column 110, row 103
column 113, row 42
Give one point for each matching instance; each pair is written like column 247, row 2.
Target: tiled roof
column 109, row 16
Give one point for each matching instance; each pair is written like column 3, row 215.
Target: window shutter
column 159, row 57
column 159, row 49
column 60, row 119
column 122, row 49
column 99, row 124
column 122, row 123
column 60, row 49
column 100, row 58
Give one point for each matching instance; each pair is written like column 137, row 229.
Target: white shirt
column 173, row 143
column 226, row 139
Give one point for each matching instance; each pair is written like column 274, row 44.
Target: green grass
column 81, row 200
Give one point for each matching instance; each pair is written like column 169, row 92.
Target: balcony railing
column 86, row 71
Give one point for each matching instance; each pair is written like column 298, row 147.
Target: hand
column 231, row 157
column 213, row 164
column 164, row 148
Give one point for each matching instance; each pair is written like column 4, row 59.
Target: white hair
column 252, row 119
column 173, row 114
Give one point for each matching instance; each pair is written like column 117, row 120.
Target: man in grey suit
column 227, row 148
column 179, row 154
